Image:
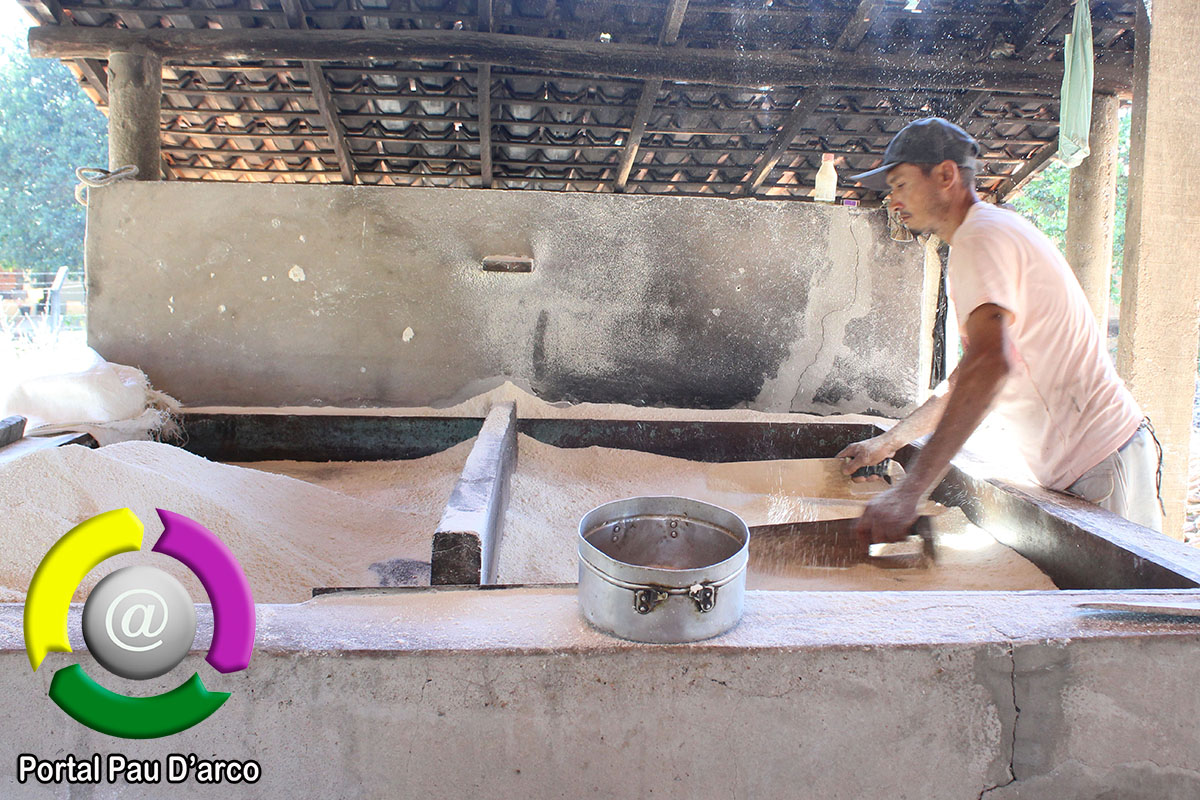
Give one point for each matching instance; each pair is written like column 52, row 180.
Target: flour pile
column 289, row 535
column 553, row 488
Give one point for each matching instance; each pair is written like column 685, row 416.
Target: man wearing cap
column 1034, row 354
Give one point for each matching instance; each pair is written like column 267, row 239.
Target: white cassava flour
column 288, row 535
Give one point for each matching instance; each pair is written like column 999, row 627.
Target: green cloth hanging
column 1075, row 110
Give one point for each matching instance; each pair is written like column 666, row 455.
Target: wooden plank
column 801, row 111
column 92, row 69
column 645, row 104
column 294, row 12
column 1028, row 172
column 234, row 153
column 484, row 84
column 858, row 25
column 1042, row 23
column 673, row 22
column 467, row 541
column 697, row 65
column 970, row 104
column 650, row 89
column 1078, row 544
column 329, row 113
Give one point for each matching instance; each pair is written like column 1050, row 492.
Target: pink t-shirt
column 1064, row 402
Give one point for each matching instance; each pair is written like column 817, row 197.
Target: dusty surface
column 530, row 406
column 289, row 535
column 553, row 488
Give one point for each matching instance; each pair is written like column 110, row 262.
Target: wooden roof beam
column 485, row 125
column 294, row 14
column 483, row 84
column 1042, row 23
column 800, row 113
column 650, row 89
column 971, row 103
column 92, row 69
column 858, row 26
column 1027, row 172
column 696, row 65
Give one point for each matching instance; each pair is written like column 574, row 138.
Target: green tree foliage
column 1045, row 202
column 48, row 126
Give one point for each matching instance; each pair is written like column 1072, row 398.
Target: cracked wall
column 332, row 295
column 822, row 695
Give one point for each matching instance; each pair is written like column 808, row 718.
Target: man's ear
column 947, row 173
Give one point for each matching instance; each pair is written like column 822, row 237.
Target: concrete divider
column 467, row 540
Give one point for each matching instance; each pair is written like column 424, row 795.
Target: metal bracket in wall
column 507, row 264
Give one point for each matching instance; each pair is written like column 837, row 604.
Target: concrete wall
column 277, row 295
column 460, row 694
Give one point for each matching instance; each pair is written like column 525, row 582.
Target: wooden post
column 134, row 100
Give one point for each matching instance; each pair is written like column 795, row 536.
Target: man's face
column 917, row 198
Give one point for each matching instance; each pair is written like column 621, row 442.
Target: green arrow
column 102, row 710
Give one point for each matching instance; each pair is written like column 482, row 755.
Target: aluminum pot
column 662, row 569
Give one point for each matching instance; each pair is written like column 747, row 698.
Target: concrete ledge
column 466, row 543
column 1078, row 544
column 476, row 693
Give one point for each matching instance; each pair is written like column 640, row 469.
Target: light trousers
column 1125, row 483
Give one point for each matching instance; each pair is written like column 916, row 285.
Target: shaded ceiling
column 666, row 98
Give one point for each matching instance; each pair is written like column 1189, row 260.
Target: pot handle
column 647, row 598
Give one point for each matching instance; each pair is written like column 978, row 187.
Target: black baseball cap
column 927, row 141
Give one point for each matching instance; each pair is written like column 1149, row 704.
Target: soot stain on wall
column 676, row 352
column 848, row 379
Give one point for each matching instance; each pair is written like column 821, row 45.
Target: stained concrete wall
column 298, row 295
column 455, row 694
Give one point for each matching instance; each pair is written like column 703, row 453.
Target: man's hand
column 887, row 518
column 866, row 453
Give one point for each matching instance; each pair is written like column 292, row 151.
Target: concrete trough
column 1076, row 544
column 457, row 691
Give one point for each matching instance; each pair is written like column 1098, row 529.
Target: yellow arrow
column 63, row 568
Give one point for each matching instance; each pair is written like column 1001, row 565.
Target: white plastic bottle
column 826, row 191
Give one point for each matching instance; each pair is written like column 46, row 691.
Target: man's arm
column 980, row 376
column 870, row 452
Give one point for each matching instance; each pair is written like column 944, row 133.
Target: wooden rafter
column 1027, row 172
column 485, row 124
column 92, row 69
column 637, row 129
column 483, row 82
column 801, row 111
column 971, row 103
column 313, row 73
column 859, row 24
column 1042, row 23
column 650, row 89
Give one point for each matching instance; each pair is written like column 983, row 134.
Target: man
column 1033, row 351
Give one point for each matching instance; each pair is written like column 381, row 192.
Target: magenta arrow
column 228, row 590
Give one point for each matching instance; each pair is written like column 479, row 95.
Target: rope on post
column 95, row 176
